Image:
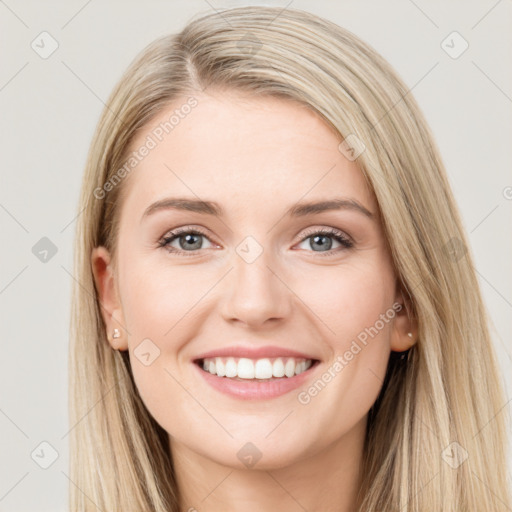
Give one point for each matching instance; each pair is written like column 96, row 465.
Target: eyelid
column 344, row 239
column 340, row 236
column 174, row 234
column 327, row 231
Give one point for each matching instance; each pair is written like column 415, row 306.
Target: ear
column 111, row 308
column 405, row 326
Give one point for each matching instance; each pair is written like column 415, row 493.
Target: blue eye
column 189, row 241
column 320, row 238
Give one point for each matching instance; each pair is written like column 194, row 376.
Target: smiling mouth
column 256, row 370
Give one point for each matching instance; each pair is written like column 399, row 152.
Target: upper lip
column 249, row 352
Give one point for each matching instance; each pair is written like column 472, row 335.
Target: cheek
column 350, row 300
column 342, row 305
column 357, row 316
column 158, row 301
column 157, row 297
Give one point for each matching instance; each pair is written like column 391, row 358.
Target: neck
column 328, row 480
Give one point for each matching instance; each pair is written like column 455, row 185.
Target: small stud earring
column 116, row 334
column 409, row 334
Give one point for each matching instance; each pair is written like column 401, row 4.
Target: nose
column 255, row 294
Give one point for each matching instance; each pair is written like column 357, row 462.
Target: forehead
column 253, row 151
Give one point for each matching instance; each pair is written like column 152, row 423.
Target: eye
column 320, row 238
column 188, row 240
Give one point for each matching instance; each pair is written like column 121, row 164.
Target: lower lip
column 252, row 389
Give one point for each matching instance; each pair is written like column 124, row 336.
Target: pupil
column 320, row 240
column 324, row 246
column 190, row 241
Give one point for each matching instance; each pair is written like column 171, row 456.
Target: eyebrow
column 297, row 210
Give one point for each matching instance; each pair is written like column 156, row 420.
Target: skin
column 256, row 157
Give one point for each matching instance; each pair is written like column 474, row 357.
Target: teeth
column 231, row 367
column 278, row 368
column 262, row 369
column 245, row 368
column 289, row 368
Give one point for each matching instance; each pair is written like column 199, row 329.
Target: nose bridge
column 254, row 293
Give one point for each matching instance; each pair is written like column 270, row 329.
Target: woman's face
column 262, row 273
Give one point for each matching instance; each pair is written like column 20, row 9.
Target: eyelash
column 334, row 233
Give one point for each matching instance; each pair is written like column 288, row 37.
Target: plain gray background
column 50, row 107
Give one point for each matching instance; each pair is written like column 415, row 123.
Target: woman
column 276, row 308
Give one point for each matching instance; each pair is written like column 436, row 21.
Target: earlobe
column 405, row 329
column 109, row 302
column 403, row 343
column 117, row 338
column 402, row 340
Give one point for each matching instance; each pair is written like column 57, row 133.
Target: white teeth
column 220, row 367
column 245, row 368
column 278, row 368
column 300, row 367
column 231, row 367
column 265, row 368
column 289, row 368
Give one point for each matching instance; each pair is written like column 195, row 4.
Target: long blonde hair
column 447, row 391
